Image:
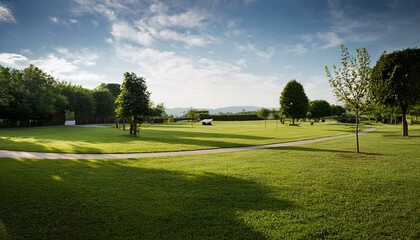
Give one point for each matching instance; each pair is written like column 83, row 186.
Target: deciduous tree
column 133, row 100
column 293, row 101
column 350, row 82
column 396, row 81
column 264, row 113
column 319, row 109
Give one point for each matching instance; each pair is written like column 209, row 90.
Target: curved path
column 41, row 155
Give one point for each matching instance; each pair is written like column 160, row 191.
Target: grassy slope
column 157, row 138
column 320, row 190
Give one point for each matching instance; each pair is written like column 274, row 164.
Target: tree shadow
column 76, row 199
column 99, row 136
column 309, row 149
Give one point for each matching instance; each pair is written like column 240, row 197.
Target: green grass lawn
column 159, row 138
column 322, row 190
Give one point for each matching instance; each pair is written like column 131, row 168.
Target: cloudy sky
column 207, row 53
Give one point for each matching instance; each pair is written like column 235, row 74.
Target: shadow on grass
column 102, row 200
column 112, row 135
column 39, row 146
column 308, row 149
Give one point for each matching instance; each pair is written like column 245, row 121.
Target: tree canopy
column 396, row 81
column 319, row 109
column 293, row 101
column 28, row 97
column 134, row 100
column 350, row 82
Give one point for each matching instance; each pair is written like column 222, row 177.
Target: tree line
column 31, row 97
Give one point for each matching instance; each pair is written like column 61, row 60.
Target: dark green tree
column 396, row 81
column 264, row 113
column 104, row 105
column 293, row 101
column 319, row 109
column 337, row 110
column 133, row 100
column 80, row 101
column 114, row 88
column 350, row 83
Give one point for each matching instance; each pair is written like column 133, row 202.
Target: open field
column 320, row 190
column 161, row 138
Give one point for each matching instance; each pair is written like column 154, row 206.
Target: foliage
column 157, row 110
column 133, row 100
column 350, row 83
column 29, row 97
column 192, row 114
column 395, row 81
column 80, row 101
column 337, row 110
column 104, row 104
column 235, row 117
column 113, row 88
column 264, row 113
column 319, row 109
column 293, row 101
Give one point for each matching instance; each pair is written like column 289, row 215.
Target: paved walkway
column 40, row 155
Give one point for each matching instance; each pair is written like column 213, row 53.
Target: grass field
column 159, row 138
column 315, row 191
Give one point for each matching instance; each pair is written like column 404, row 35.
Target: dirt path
column 40, row 155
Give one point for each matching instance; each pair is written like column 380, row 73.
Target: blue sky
column 204, row 54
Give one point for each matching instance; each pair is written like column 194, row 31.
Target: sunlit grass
column 158, row 138
column 314, row 191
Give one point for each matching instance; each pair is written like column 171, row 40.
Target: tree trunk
column 135, row 126
column 124, row 124
column 357, row 130
column 293, row 121
column 131, row 127
column 265, row 123
column 404, row 120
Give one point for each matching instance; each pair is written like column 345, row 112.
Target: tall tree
column 264, row 113
column 293, row 101
column 104, row 104
column 133, row 100
column 319, row 109
column 396, row 81
column 350, row 82
column 80, row 101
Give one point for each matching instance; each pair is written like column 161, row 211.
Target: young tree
column 293, row 101
column 395, row 81
column 192, row 114
column 350, row 83
column 264, row 113
column 133, row 100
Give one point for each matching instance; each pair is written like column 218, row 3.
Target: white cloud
column 252, row 49
column 183, row 79
column 296, row 49
column 54, row 19
column 54, row 65
column 6, row 14
column 74, row 21
column 82, row 57
column 124, row 31
column 330, row 39
column 12, row 59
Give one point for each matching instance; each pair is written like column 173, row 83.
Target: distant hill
column 177, row 112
